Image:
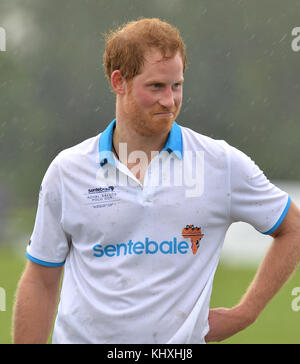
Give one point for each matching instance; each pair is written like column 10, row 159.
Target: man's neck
column 136, row 142
column 135, row 146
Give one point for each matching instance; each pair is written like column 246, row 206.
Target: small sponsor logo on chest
column 102, row 197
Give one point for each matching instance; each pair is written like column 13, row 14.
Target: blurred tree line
column 242, row 83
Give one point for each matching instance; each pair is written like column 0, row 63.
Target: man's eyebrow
column 151, row 82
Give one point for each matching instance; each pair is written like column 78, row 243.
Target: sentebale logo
column 150, row 247
column 141, row 247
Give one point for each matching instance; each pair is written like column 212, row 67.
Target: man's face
column 153, row 99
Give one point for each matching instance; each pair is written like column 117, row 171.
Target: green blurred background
column 242, row 84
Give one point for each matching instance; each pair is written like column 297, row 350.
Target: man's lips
column 167, row 114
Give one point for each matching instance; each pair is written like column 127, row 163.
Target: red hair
column 126, row 46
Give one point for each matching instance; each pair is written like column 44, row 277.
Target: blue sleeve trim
column 41, row 262
column 280, row 219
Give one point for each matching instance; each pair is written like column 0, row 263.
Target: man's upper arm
column 291, row 222
column 254, row 199
column 49, row 277
column 49, row 242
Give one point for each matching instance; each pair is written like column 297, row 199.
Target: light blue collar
column 173, row 144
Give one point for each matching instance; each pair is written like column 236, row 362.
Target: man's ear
column 117, row 82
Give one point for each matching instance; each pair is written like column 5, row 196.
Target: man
column 138, row 215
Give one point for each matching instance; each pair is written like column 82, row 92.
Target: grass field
column 278, row 324
column 11, row 267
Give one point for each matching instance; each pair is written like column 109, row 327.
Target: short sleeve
column 48, row 244
column 254, row 199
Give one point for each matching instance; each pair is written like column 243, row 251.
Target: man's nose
column 167, row 98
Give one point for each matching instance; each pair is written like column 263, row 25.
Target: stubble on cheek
column 142, row 118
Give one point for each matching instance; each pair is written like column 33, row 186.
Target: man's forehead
column 156, row 64
column 153, row 56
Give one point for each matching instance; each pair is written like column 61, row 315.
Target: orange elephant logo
column 195, row 234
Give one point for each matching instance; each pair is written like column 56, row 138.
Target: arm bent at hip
column 278, row 264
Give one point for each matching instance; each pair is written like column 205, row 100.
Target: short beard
column 140, row 121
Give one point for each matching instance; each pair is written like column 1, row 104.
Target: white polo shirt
column 140, row 260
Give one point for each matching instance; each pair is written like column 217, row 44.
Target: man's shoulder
column 215, row 149
column 88, row 148
column 196, row 141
